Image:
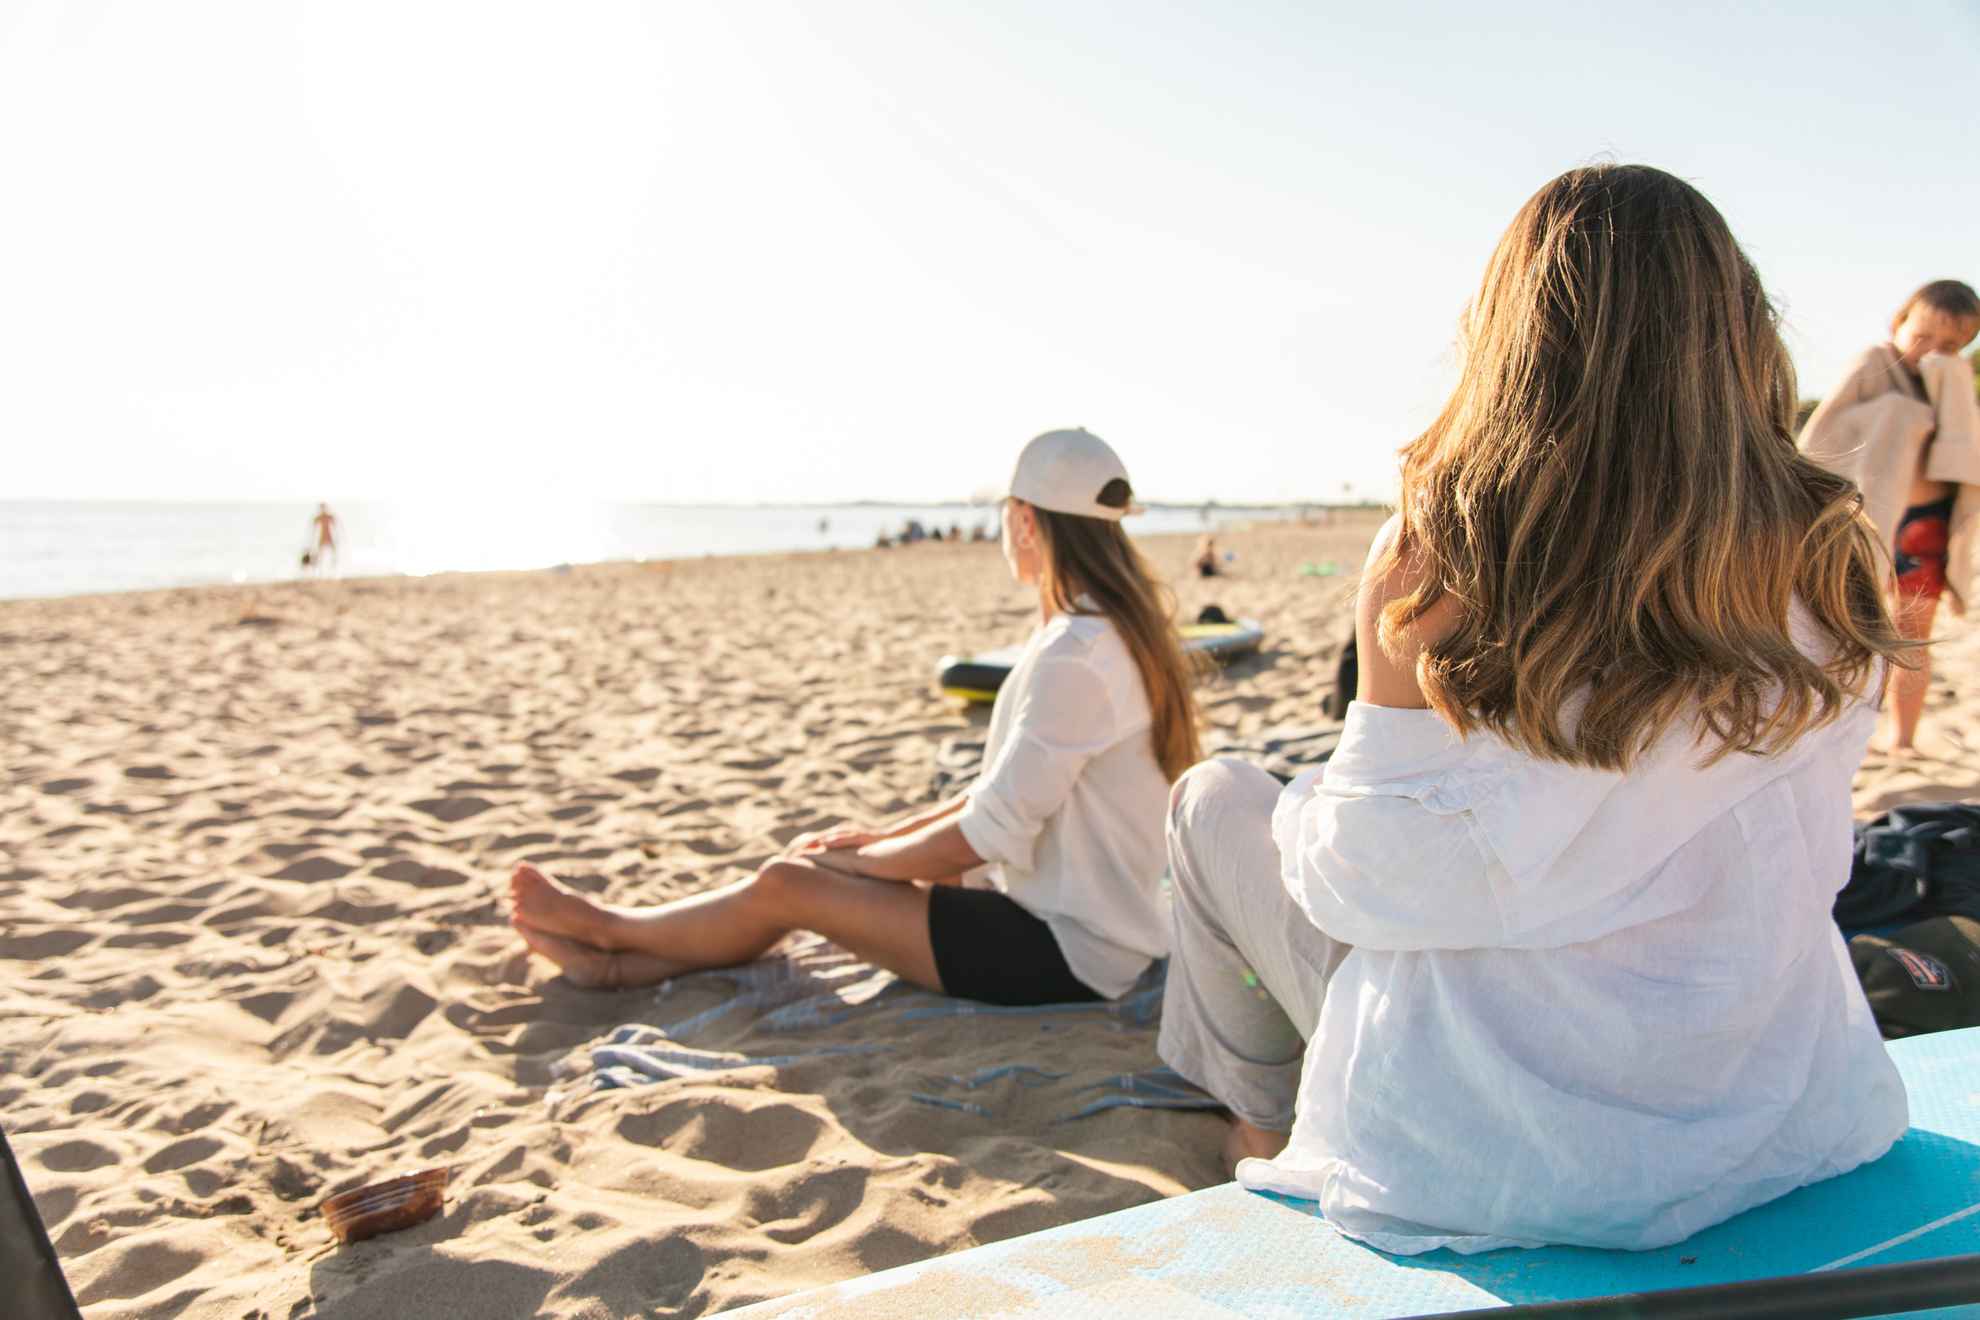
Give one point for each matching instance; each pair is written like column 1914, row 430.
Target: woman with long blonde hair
column 1544, row 954
column 1041, row 883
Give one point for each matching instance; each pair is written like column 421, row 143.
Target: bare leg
column 882, row 921
column 1908, row 686
column 594, row 968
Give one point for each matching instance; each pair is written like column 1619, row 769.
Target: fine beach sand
column 252, row 842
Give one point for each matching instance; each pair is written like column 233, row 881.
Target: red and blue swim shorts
column 1920, row 549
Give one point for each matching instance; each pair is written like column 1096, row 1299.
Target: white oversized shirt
column 1582, row 1007
column 1071, row 805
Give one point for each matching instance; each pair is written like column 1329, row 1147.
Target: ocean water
column 62, row 548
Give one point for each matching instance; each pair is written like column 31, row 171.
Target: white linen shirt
column 1582, row 1007
column 1071, row 805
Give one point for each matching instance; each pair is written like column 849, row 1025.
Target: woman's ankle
column 1245, row 1141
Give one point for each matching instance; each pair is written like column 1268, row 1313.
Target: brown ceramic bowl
column 388, row 1206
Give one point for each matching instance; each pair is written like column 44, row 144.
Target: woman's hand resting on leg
column 838, row 836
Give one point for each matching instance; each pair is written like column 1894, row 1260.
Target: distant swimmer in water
column 323, row 532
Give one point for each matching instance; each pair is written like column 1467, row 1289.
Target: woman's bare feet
column 592, row 968
column 1245, row 1142
column 542, row 904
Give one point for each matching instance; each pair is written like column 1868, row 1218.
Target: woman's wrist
column 880, row 859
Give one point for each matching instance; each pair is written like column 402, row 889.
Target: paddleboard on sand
column 976, row 678
column 1893, row 1237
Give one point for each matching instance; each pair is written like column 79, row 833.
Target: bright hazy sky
column 744, row 250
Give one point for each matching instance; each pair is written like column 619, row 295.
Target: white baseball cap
column 1065, row 471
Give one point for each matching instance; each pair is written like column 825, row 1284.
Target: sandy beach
column 252, row 953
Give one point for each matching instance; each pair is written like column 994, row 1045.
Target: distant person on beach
column 1902, row 425
column 1205, row 559
column 1042, row 882
column 323, row 532
column 1544, row 953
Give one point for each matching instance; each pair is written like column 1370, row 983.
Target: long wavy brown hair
column 1613, row 498
column 1093, row 557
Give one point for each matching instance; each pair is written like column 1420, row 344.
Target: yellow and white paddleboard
column 976, row 678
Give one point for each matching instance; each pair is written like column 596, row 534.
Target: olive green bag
column 1923, row 977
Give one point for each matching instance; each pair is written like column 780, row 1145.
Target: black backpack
column 1911, row 863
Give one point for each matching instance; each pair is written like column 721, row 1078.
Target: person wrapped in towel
column 1904, row 426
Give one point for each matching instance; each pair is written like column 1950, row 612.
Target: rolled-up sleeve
column 1064, row 719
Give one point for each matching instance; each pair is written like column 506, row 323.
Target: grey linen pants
column 1247, row 969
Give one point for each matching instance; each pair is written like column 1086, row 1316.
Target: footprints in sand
column 408, row 871
column 452, row 809
column 257, row 870
column 760, row 1137
column 39, row 946
column 797, row 1212
column 311, row 869
column 77, row 1156
column 179, row 1154
column 139, row 1267
column 641, row 1275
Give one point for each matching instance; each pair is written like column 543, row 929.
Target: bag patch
column 1927, row 972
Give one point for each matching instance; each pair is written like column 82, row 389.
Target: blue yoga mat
column 1227, row 1252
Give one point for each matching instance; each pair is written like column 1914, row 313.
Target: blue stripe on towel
column 633, row 1065
column 943, row 1102
column 976, row 1079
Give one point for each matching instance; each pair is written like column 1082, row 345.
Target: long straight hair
column 1093, row 557
column 1613, row 497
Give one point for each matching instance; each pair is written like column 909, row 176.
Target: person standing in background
column 1902, row 426
column 323, row 534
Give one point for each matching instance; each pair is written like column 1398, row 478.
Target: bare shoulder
column 1385, row 536
column 1387, row 577
column 1388, row 664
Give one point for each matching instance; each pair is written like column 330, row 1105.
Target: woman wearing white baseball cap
column 1041, row 883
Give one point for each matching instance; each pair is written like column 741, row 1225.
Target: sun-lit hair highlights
column 1093, row 557
column 1613, row 497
